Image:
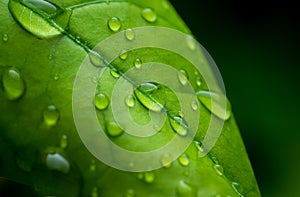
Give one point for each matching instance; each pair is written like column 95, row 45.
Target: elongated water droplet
column 206, row 98
column 183, row 189
column 149, row 15
column 219, row 169
column 64, row 141
column 36, row 23
column 130, row 102
column 129, row 34
column 51, row 116
column 13, row 84
column 5, row 38
column 198, row 81
column 57, row 162
column 191, row 43
column 184, row 160
column 142, row 93
column 93, row 165
column 123, row 55
column 237, row 188
column 194, row 105
column 179, row 125
column 198, row 146
column 114, row 24
column 114, row 73
column 149, row 177
column 101, row 101
column 113, row 129
column 130, row 193
column 96, row 59
column 138, row 63
column 183, row 77
column 94, row 192
column 166, row 160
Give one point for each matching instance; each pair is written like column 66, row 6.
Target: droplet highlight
column 13, row 84
column 129, row 34
column 57, row 162
column 113, row 129
column 179, row 125
column 149, row 15
column 101, row 101
column 114, row 24
column 51, row 116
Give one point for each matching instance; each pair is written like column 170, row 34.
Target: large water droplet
column 166, row 160
column 219, row 169
column 94, row 192
column 142, row 93
column 223, row 112
column 114, row 73
column 114, row 24
column 101, row 101
column 113, row 129
column 184, row 160
column 191, row 43
column 57, row 162
column 179, row 125
column 96, row 59
column 237, row 188
column 64, row 141
column 183, row 189
column 37, row 23
column 138, row 63
column 51, row 116
column 183, row 77
column 149, row 15
column 123, row 55
column 130, row 193
column 129, row 34
column 130, row 102
column 149, row 177
column 5, row 38
column 13, row 84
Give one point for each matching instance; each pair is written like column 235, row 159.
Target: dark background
column 256, row 47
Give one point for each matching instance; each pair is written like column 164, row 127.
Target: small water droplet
column 114, row 73
column 184, row 160
column 123, row 55
column 13, row 84
column 166, row 160
column 51, row 116
column 93, row 166
column 149, row 177
column 56, row 77
column 94, row 192
column 198, row 81
column 107, row 2
column 194, row 105
column 179, row 125
column 183, row 189
column 130, row 193
column 96, row 59
column 50, row 57
column 95, row 80
column 101, row 101
column 149, row 15
column 130, row 101
column 138, row 63
column 57, row 162
column 114, row 24
column 199, row 146
column 215, row 160
column 165, row 4
column 219, row 169
column 5, row 38
column 78, row 39
column 191, row 42
column 113, row 129
column 183, row 77
column 129, row 34
column 64, row 141
column 206, row 98
column 237, row 188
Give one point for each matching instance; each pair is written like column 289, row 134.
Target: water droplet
column 94, row 192
column 123, row 55
column 113, row 129
column 142, row 93
column 183, row 189
column 32, row 21
column 215, row 160
column 219, row 169
column 138, row 63
column 13, row 84
column 149, row 15
column 130, row 193
column 166, row 160
column 114, row 24
column 183, row 77
column 198, row 81
column 101, row 101
column 149, row 177
column 165, row 4
column 206, row 98
column 199, row 146
column 129, row 34
column 93, row 165
column 57, row 162
column 107, row 2
column 114, row 73
column 194, row 105
column 64, row 141
column 130, row 101
column 179, row 125
column 50, row 57
column 184, row 160
column 237, row 188
column 56, row 77
column 191, row 42
column 96, row 59
column 5, row 38
column 51, row 116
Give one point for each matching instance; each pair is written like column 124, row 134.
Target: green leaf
column 42, row 48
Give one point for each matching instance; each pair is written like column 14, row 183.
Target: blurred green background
column 256, row 47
